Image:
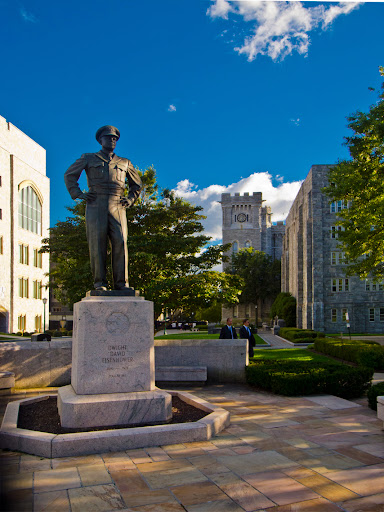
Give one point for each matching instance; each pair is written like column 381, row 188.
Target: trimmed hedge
column 375, row 391
column 356, row 351
column 296, row 335
column 292, row 378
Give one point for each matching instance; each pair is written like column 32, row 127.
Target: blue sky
column 220, row 96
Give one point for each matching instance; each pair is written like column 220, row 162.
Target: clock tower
column 247, row 223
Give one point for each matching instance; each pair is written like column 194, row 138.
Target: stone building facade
column 24, row 221
column 247, row 223
column 313, row 266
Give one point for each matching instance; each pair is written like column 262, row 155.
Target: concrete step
column 181, row 373
column 7, row 380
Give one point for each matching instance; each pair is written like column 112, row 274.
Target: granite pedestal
column 113, row 371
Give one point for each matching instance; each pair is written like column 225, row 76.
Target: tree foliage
column 260, row 273
column 170, row 259
column 284, row 307
column 360, row 182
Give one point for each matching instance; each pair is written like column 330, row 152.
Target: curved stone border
column 84, row 443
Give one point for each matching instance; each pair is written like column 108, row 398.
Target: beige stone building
column 24, row 221
column 247, row 222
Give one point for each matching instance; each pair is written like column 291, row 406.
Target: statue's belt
column 110, row 189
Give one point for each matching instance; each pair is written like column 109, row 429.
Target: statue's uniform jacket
column 105, row 216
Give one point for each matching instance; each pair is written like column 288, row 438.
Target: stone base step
column 181, row 373
column 7, row 380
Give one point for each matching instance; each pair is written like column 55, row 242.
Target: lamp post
column 165, row 320
column 63, row 321
column 256, row 316
column 45, row 300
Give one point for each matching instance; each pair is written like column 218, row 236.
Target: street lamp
column 63, row 321
column 256, row 316
column 165, row 320
column 45, row 300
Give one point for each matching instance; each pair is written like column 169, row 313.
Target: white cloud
column 296, row 121
column 171, row 108
column 277, row 29
column 27, row 16
column 279, row 197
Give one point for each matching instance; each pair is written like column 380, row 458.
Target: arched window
column 29, row 210
column 235, row 247
column 247, row 244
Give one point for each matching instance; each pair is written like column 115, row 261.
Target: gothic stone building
column 247, row 223
column 24, row 221
column 313, row 266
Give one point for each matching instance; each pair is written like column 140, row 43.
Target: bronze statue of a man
column 105, row 214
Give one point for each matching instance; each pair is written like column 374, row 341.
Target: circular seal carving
column 241, row 217
column 117, row 322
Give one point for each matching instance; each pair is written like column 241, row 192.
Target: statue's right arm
column 72, row 175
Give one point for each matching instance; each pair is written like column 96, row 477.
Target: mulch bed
column 43, row 416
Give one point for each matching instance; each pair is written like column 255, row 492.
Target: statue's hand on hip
column 88, row 196
column 126, row 202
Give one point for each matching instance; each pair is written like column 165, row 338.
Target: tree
column 260, row 273
column 170, row 258
column 284, row 307
column 359, row 184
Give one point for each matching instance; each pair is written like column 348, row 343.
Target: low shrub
column 355, row 351
column 304, row 340
column 57, row 334
column 292, row 378
column 375, row 391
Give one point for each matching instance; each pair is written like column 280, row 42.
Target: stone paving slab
column 280, row 454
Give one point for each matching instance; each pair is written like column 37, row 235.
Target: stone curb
column 84, row 443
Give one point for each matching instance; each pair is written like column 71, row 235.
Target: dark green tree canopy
column 170, row 258
column 260, row 273
column 284, row 307
column 360, row 183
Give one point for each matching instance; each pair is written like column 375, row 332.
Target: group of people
column 228, row 332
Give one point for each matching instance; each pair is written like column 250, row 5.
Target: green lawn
column 200, row 336
column 295, row 354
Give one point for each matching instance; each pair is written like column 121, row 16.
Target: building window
column 24, row 254
column 37, row 286
column 340, row 285
column 29, row 210
column 235, row 311
column 381, row 314
column 333, row 315
column 38, row 323
column 344, row 313
column 235, row 247
column 23, row 287
column 374, row 286
column 371, row 314
column 37, row 258
column 22, row 322
column 247, row 244
column 335, row 230
column 339, row 258
column 338, row 206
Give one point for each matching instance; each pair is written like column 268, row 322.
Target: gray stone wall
column 312, row 267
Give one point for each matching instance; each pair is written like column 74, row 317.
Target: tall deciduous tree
column 170, row 258
column 261, row 275
column 359, row 182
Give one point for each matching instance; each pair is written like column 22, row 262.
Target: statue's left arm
column 134, row 183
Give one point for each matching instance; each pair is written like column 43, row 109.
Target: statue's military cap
column 107, row 130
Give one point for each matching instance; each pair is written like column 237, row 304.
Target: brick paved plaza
column 280, row 454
